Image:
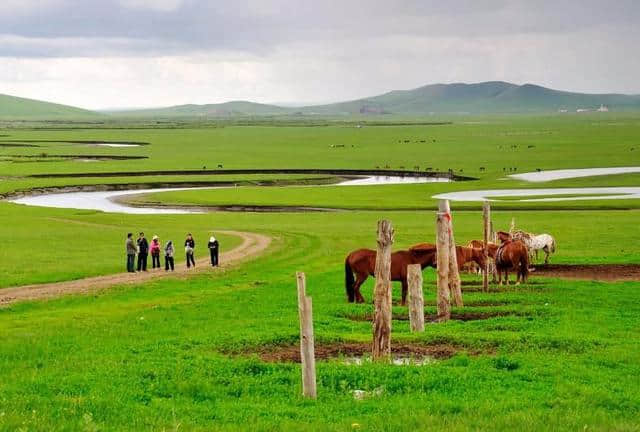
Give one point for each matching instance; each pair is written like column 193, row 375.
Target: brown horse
column 466, row 255
column 479, row 244
column 362, row 262
column 512, row 255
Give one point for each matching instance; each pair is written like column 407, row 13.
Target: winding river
column 108, row 201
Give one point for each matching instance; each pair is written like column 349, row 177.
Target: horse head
column 479, row 257
column 424, row 254
column 504, row 236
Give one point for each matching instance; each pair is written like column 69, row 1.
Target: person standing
column 189, row 249
column 155, row 252
column 143, row 252
column 213, row 250
column 131, row 253
column 168, row 256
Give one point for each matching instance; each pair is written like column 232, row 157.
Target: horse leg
column 546, row 255
column 506, row 277
column 356, row 288
column 405, row 289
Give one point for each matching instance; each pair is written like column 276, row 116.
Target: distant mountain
column 482, row 98
column 227, row 109
column 493, row 97
column 487, row 97
column 16, row 108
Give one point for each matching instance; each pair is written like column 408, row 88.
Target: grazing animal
column 482, row 169
column 511, row 255
column 362, row 262
column 219, row 165
column 465, row 254
column 492, row 249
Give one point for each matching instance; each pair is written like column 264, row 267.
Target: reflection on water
column 542, row 176
column 382, row 180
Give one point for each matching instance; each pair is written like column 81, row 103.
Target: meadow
column 184, row 354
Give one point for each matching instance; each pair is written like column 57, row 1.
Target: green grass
column 155, row 356
column 151, row 357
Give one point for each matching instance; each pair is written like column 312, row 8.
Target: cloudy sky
column 140, row 53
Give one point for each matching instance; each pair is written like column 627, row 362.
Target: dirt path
column 252, row 245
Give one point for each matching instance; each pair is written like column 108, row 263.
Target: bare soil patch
column 456, row 316
column 291, row 353
column 599, row 272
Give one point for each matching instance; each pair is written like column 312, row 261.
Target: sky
column 143, row 53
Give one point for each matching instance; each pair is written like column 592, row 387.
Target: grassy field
column 182, row 354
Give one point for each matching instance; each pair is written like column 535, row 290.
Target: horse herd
column 514, row 253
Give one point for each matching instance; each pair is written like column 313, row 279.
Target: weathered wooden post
column 307, row 344
column 442, row 243
column 416, row 300
column 382, row 297
column 486, row 218
column 454, row 274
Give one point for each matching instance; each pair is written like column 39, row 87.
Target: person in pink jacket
column 155, row 252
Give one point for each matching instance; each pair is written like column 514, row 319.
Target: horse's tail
column 553, row 245
column 524, row 267
column 349, row 281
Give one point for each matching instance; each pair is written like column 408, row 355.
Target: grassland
column 180, row 354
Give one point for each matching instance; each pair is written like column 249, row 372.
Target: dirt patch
column 5, row 144
column 599, row 272
column 291, row 354
column 456, row 316
column 78, row 156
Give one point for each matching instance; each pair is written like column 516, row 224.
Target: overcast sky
column 140, row 53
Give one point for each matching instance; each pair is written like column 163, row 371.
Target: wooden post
column 416, row 301
column 442, row 243
column 382, row 297
column 307, row 344
column 454, row 274
column 486, row 218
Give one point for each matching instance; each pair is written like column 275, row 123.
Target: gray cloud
column 97, row 53
column 258, row 26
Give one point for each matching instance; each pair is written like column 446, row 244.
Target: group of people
column 142, row 248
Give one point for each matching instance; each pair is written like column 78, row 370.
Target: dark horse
column 362, row 262
column 512, row 255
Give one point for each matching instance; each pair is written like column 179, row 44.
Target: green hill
column 16, row 108
column 227, row 109
column 481, row 98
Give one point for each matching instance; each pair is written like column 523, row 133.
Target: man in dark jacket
column 143, row 252
column 131, row 253
column 213, row 246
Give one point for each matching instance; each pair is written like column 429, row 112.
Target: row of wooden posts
column 448, row 285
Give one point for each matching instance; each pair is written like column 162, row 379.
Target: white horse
column 534, row 243
column 543, row 242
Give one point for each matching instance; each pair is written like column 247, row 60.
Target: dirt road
column 252, row 245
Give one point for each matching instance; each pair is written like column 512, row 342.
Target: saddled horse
column 362, row 262
column 512, row 255
column 535, row 243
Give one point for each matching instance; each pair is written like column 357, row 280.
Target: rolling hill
column 17, row 108
column 481, row 98
column 226, row 109
column 493, row 97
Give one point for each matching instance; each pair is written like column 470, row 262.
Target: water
column 590, row 194
column 114, row 145
column 386, row 180
column 107, row 201
column 544, row 176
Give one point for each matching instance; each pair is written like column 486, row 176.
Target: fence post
column 486, row 218
column 416, row 301
column 382, row 297
column 454, row 274
column 442, row 240
column 307, row 344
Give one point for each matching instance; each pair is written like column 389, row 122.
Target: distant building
column 563, row 110
column 603, row 108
